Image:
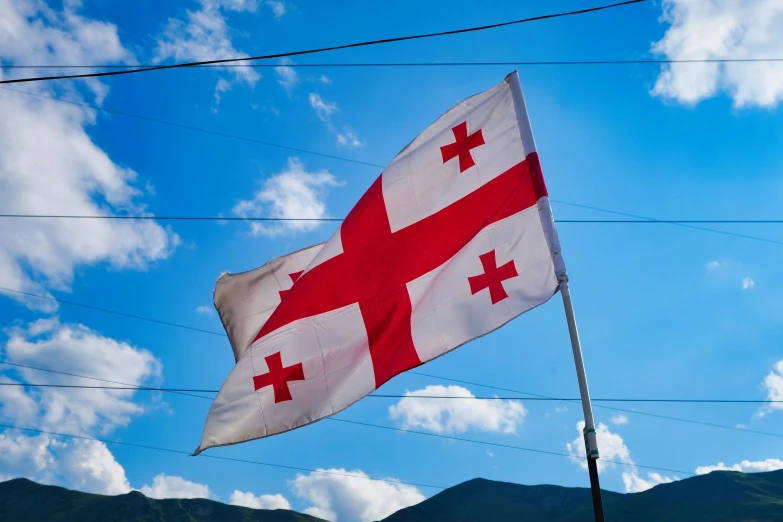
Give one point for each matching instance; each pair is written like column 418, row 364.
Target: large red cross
column 492, row 277
column 377, row 263
column 462, row 146
column 279, row 376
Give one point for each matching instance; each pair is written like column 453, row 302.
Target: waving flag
column 453, row 240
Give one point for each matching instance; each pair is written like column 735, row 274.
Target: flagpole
column 591, row 446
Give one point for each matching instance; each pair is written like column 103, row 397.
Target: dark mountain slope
column 24, row 501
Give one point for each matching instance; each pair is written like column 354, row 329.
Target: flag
column 454, row 239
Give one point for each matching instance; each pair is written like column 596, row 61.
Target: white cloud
column 204, row 310
column 82, row 464
column 324, row 79
column 291, row 193
column 248, row 499
column 714, row 265
column 348, row 138
column 726, row 29
column 278, row 8
column 745, row 466
column 635, row 484
column 203, row 35
column 77, row 349
column 748, row 283
column 323, row 109
column 612, row 447
column 773, row 385
column 456, row 415
column 287, row 76
column 73, row 176
column 619, row 420
column 168, row 486
column 355, row 498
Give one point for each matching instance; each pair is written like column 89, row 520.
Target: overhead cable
column 323, row 49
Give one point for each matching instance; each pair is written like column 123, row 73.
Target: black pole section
column 595, row 489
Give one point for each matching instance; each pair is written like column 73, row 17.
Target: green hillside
column 24, row 501
column 721, row 496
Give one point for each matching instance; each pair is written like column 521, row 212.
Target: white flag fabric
column 453, row 240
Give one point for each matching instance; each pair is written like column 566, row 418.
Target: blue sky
column 664, row 311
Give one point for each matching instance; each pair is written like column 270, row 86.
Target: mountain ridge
column 720, row 496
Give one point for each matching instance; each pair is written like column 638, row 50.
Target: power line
column 576, row 401
column 675, row 223
column 324, row 49
column 115, row 312
column 393, row 396
column 36, row 368
column 191, row 127
column 611, row 408
column 522, row 63
column 648, row 221
column 217, row 457
column 639, row 219
column 499, row 445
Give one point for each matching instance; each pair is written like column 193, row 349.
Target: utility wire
column 640, row 219
column 115, row 312
column 507, row 446
column 634, row 412
column 324, row 49
column 649, row 221
column 623, row 410
column 675, row 223
column 217, row 457
column 191, row 127
column 522, row 63
column 17, row 365
column 393, row 396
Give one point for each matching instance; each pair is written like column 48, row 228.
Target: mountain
column 24, row 501
column 720, row 496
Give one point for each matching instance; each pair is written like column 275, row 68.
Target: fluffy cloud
column 619, row 420
column 323, row 109
column 167, row 486
column 286, row 76
column 726, row 29
column 76, row 349
column 204, row 310
column 635, row 484
column 247, row 499
column 82, row 464
column 456, row 415
column 773, row 385
column 745, row 466
column 278, row 8
column 748, row 283
column 346, row 137
column 291, row 193
column 353, row 498
column 74, row 176
column 204, row 34
column 613, row 448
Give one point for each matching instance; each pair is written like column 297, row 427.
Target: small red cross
column 293, row 277
column 492, row 277
column 279, row 376
column 461, row 147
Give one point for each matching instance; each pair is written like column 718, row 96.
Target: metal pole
column 591, row 446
